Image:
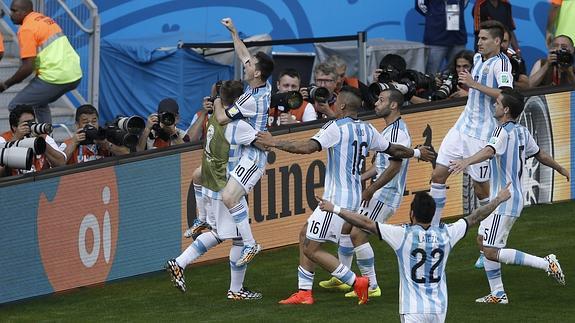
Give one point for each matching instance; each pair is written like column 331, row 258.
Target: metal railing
column 80, row 22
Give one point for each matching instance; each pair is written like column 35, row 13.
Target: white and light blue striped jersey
column 239, row 135
column 477, row 119
column 513, row 145
column 392, row 192
column 422, row 256
column 348, row 142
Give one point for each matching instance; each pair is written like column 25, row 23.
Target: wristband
column 336, row 209
column 416, row 153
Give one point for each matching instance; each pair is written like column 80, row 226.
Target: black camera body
column 388, row 74
column 317, row 94
column 564, row 57
column 92, row 134
column 286, row 101
column 447, row 87
column 166, row 118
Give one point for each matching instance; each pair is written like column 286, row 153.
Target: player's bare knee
column 480, row 242
column 358, row 237
column 346, row 228
column 302, row 233
column 491, row 253
column 440, row 174
column 309, row 250
column 197, row 176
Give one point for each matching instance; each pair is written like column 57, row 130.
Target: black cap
column 168, row 105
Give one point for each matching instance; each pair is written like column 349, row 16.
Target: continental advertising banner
column 126, row 218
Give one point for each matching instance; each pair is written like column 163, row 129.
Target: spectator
column 499, row 10
column 197, row 129
column 44, row 49
column 80, row 148
column 20, row 119
column 518, row 69
column 560, row 20
column 463, row 62
column 548, row 71
column 342, row 80
column 445, row 32
column 161, row 130
column 325, row 76
column 290, row 80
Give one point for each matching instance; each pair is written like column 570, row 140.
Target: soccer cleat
column 499, row 298
column 248, row 253
column 177, row 274
column 335, row 284
column 197, row 227
column 554, row 269
column 244, row 294
column 372, row 293
column 302, row 297
column 479, row 262
column 360, row 287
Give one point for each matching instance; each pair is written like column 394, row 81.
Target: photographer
column 197, row 129
column 325, row 77
column 557, row 68
column 290, row 80
column 87, row 143
column 161, row 130
column 518, row 69
column 22, row 122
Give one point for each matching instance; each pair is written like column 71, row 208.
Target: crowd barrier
column 121, row 217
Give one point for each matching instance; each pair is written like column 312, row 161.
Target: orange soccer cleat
column 301, row 297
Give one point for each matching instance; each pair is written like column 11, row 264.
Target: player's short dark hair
column 351, row 97
column 423, row 207
column 230, row 91
column 85, row 109
column 494, row 27
column 291, row 72
column 395, row 96
column 265, row 65
column 17, row 112
column 514, row 100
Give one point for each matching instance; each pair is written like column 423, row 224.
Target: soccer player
column 491, row 72
column 253, row 106
column 347, row 141
column 509, row 147
column 422, row 250
column 380, row 199
column 222, row 150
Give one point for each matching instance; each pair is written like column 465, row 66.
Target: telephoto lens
column 286, row 101
column 38, row 144
column 37, row 129
column 317, row 94
column 16, row 157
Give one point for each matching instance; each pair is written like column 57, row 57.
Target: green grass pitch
column 533, row 296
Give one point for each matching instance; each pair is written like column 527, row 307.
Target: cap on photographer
column 23, row 125
column 88, row 143
column 557, row 67
column 161, row 130
column 288, row 84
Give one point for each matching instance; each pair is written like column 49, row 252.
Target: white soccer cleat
column 499, row 298
column 248, row 254
column 554, row 269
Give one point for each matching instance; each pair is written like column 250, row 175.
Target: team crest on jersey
column 485, row 70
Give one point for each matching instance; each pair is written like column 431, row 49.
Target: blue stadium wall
column 119, row 217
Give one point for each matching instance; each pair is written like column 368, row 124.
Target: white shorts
column 495, row 230
column 323, row 226
column 220, row 219
column 457, row 145
column 247, row 173
column 377, row 211
column 422, row 318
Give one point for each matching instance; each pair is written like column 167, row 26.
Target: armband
column 416, row 153
column 336, row 209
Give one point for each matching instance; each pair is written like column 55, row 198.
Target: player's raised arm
column 239, row 46
column 353, row 218
column 481, row 213
column 295, row 147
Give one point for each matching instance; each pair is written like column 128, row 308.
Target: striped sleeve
column 498, row 140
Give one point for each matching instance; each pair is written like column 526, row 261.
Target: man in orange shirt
column 45, row 49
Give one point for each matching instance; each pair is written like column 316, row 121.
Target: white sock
column 237, row 273
column 304, row 278
column 516, row 257
column 366, row 262
column 242, row 219
column 200, row 246
column 345, row 250
column 439, row 194
column 200, row 202
column 493, row 271
column 344, row 274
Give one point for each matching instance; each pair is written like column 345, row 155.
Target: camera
column 166, row 118
column 120, row 137
column 408, row 83
column 388, row 74
column 17, row 157
column 287, row 100
column 38, row 145
column 564, row 57
column 133, row 124
column 92, row 133
column 422, row 82
column 448, row 86
column 37, row 129
column 317, row 94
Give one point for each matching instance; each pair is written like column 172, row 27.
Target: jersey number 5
column 432, row 278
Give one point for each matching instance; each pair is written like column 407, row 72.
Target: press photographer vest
column 215, row 156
